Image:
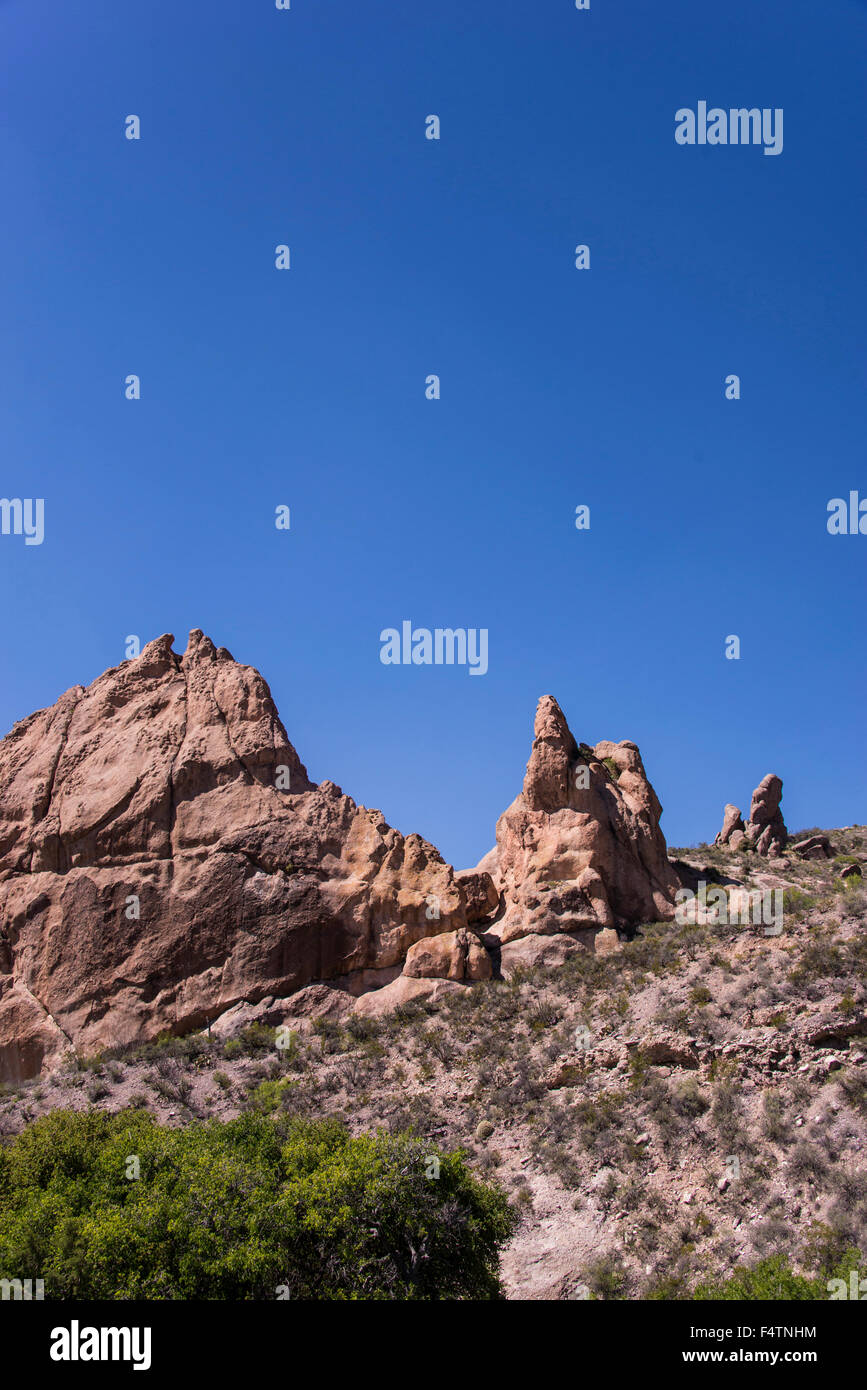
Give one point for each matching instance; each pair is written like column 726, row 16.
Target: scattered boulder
column 732, row 822
column 298, row 1011
column 851, row 871
column 836, row 1030
column 566, row 1074
column 666, row 1049
column 814, row 847
column 455, row 955
column 572, row 1070
column 527, row 952
column 402, row 991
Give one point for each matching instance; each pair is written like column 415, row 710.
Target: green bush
column 239, row 1210
column 796, row 903
column 773, row 1279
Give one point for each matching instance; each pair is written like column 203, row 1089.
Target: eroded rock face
column 164, row 857
column 580, row 850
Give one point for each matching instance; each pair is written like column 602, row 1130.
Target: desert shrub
column 797, row 904
column 688, row 1099
column 270, row 1095
column 772, row 1236
column 605, row 1277
column 559, row 1159
column 187, row 1048
column 599, row 1120
column 439, row 1042
column 821, row 960
column 806, row 1162
column 726, row 1110
column 542, row 1014
column 851, row 1184
column 415, row 1114
column 175, row 1088
column 667, row 1288
column 853, row 1084
column 361, row 1029
column 237, row 1210
column 258, row 1039
column 856, row 897
column 825, row 1248
column 774, row 1124
column 517, row 1088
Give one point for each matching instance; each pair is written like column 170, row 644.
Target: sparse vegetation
column 616, row 1137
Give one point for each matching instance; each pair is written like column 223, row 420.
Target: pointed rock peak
column 199, row 647
column 546, row 783
column 766, row 828
column 157, row 656
column 550, row 723
column 581, row 852
column 159, row 646
column 769, row 790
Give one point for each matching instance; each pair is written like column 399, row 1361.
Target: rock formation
column 580, row 849
column 164, row 856
column 732, row 832
column 814, row 847
column 453, row 955
column 166, row 862
column 765, row 831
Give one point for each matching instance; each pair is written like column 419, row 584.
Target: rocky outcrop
column 166, row 862
column 164, row 857
column 766, row 830
column 580, row 849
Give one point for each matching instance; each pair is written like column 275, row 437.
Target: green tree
column 237, row 1210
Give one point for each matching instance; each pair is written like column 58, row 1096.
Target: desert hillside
column 663, row 1102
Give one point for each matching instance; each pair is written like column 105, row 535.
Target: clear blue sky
column 559, row 386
